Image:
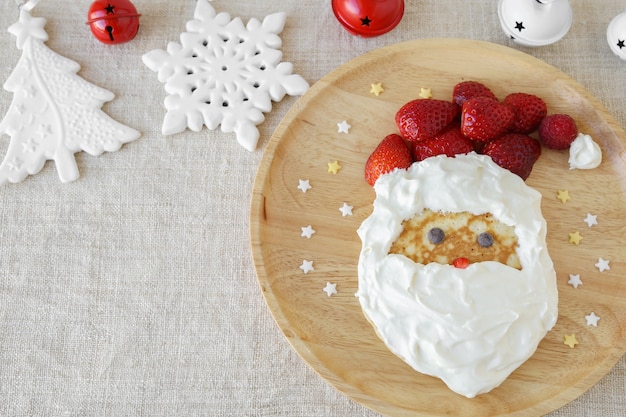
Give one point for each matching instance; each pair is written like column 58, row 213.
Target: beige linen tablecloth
column 132, row 292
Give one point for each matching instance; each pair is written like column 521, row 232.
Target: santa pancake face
column 469, row 326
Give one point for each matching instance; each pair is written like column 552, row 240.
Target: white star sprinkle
column 603, row 265
column 591, row 219
column 307, row 266
column 592, row 319
column 343, row 127
column 330, row 289
column 304, row 185
column 574, row 280
column 346, row 210
column 307, row 232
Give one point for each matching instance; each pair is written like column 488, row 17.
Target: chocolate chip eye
column 436, row 235
column 485, row 239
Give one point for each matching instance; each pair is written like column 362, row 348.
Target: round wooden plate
column 330, row 333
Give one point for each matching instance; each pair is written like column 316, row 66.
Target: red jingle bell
column 113, row 21
column 368, row 18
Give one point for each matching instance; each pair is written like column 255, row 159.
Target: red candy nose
column 461, row 263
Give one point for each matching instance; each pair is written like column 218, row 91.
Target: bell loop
column 26, row 6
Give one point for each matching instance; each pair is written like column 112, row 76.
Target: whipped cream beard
column 470, row 327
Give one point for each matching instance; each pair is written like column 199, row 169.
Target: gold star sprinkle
column 425, row 93
column 334, row 167
column 377, row 89
column 575, row 238
column 563, row 195
column 570, row 340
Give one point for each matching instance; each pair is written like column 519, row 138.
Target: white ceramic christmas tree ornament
column 225, row 74
column 616, row 35
column 54, row 113
column 535, row 22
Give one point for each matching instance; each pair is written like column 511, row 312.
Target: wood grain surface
column 330, row 333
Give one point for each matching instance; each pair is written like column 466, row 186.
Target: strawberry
column 391, row 153
column 450, row 142
column 465, row 90
column 516, row 152
column 529, row 111
column 424, row 118
column 483, row 118
column 558, row 131
column 478, row 146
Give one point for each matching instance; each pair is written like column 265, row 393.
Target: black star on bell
column 109, row 8
column 620, row 43
column 365, row 21
column 519, row 26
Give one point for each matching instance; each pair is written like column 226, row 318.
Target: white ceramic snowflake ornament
column 55, row 112
column 225, row 74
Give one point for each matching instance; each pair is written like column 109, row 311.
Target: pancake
column 461, row 239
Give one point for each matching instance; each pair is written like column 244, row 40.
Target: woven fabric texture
column 132, row 291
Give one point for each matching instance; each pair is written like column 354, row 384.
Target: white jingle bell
column 535, row 22
column 616, row 35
